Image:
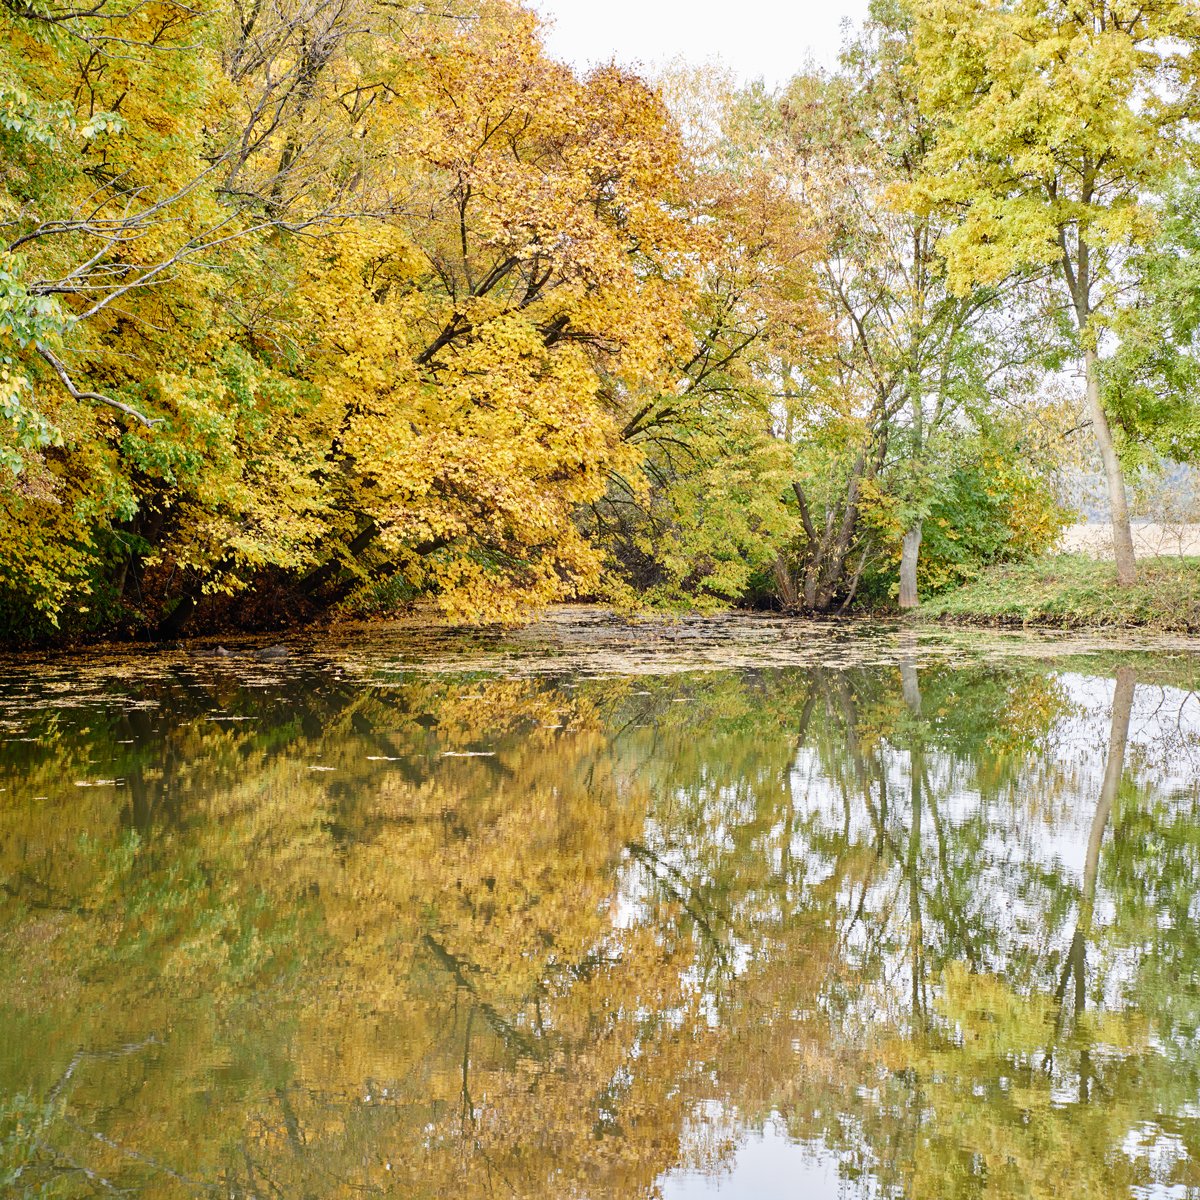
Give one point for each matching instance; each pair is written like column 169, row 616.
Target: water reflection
column 868, row 932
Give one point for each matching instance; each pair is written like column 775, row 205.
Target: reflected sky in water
column 417, row 921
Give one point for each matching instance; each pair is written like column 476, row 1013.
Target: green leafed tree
column 1151, row 383
column 920, row 359
column 1060, row 119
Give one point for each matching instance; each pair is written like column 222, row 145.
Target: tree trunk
column 908, row 567
column 825, row 553
column 1115, row 478
column 785, row 585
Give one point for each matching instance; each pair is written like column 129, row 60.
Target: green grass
column 1072, row 591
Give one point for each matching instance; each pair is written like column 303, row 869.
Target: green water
column 474, row 917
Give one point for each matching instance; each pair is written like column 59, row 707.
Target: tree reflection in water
column 454, row 935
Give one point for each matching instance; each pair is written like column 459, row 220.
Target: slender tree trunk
column 825, row 554
column 1114, row 476
column 1079, row 283
column 908, row 567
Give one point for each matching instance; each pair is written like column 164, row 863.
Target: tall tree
column 1060, row 118
column 921, row 361
column 708, row 508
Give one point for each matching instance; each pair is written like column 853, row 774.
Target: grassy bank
column 1072, row 591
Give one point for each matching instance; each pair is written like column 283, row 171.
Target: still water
column 585, row 913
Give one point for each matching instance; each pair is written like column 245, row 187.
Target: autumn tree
column 1060, row 120
column 919, row 368
column 504, row 331
column 707, row 509
column 151, row 193
column 401, row 284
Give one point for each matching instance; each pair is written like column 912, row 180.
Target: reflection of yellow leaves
column 990, row 1016
column 429, row 907
column 429, row 965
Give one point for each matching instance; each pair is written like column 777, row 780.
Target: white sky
column 767, row 38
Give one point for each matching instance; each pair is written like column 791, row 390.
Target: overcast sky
column 767, row 38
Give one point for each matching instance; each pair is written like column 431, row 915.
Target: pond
column 734, row 908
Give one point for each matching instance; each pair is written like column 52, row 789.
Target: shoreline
column 1074, row 592
column 1070, row 594
column 593, row 641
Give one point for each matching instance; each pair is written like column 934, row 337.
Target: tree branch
column 99, row 398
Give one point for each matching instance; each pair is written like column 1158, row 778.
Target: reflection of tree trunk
column 710, row 922
column 909, row 553
column 961, row 924
column 911, row 686
column 460, row 970
column 1114, row 767
column 789, row 801
column 468, row 1105
column 913, row 868
column 907, row 648
column 291, row 1122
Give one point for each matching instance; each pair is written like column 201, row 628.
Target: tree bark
column 1115, row 478
column 908, row 567
column 785, row 585
column 824, row 566
column 1078, row 275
